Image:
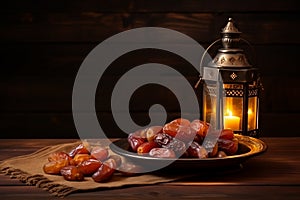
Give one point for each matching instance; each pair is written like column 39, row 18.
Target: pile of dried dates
column 179, row 138
column 83, row 161
column 182, row 138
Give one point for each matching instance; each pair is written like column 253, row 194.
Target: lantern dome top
column 231, row 55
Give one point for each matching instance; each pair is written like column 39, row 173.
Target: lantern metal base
column 252, row 133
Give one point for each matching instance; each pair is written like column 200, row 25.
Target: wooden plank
column 190, row 192
column 280, row 94
column 58, row 6
column 205, row 192
column 259, row 28
column 59, row 125
column 214, row 6
column 7, row 181
column 165, row 192
column 11, row 148
column 24, row 191
column 43, row 125
column 152, row 6
column 36, row 95
column 19, row 145
column 273, row 173
column 62, row 60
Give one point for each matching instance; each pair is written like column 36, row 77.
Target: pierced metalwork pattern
column 253, row 92
column 233, row 86
column 232, row 60
column 234, row 93
column 233, row 76
column 212, row 91
column 224, row 59
column 240, row 92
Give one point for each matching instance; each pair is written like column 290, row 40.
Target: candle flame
column 229, row 112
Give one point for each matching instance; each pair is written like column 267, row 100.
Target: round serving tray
column 248, row 147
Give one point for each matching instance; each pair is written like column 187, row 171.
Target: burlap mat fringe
column 32, row 173
column 39, row 181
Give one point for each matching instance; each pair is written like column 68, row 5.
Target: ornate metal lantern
column 231, row 87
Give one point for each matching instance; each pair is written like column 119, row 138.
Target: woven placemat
column 29, row 169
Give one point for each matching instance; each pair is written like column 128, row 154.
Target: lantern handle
column 252, row 49
column 201, row 61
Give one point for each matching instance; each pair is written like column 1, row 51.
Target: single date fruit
column 162, row 153
column 195, row 150
column 79, row 158
column 90, row 166
column 172, row 127
column 180, row 128
column 99, row 153
column 211, row 147
column 54, row 167
column 185, row 130
column 71, row 173
column 166, row 141
column 146, row 147
column 152, row 131
column 59, row 156
column 135, row 141
column 221, row 154
column 214, row 151
column 230, row 147
column 227, row 134
column 80, row 149
column 199, row 139
column 185, row 134
column 105, row 172
column 200, row 127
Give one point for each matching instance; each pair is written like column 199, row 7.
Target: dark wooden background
column 43, row 44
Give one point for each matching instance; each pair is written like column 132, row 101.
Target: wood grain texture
column 55, row 95
column 44, row 43
column 272, row 174
column 152, row 6
column 166, row 192
column 61, row 125
column 259, row 28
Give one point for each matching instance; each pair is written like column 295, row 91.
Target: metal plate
column 248, row 147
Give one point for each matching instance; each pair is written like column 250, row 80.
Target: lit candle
column 231, row 122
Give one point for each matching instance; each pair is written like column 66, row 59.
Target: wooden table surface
column 272, row 175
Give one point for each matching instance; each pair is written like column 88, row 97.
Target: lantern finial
column 230, row 35
column 230, row 28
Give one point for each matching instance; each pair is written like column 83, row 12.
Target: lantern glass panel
column 252, row 113
column 210, row 104
column 233, row 107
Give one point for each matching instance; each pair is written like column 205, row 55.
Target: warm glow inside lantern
column 231, row 87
